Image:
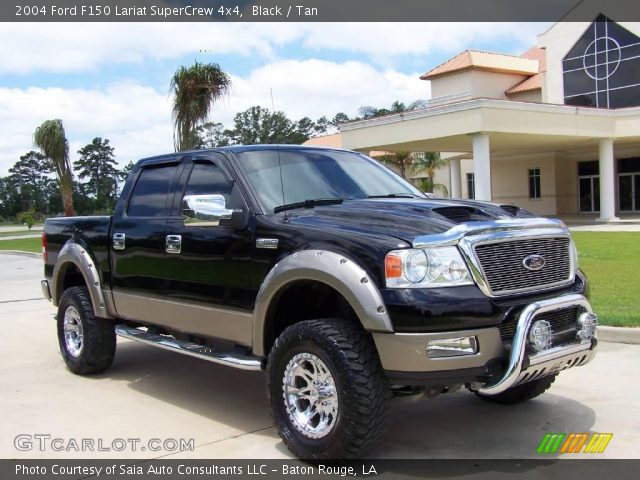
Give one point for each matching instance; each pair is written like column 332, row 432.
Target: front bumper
column 522, row 367
column 496, row 367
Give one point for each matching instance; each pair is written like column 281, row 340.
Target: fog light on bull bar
column 587, row 325
column 540, row 335
column 452, row 347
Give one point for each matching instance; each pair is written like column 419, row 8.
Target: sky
column 111, row 80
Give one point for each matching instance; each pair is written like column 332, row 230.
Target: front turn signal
column 392, row 266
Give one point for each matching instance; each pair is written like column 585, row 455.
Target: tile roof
column 487, row 61
column 537, row 53
column 535, row 81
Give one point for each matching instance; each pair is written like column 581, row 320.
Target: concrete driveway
column 153, row 394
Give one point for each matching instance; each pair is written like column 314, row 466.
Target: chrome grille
column 503, row 269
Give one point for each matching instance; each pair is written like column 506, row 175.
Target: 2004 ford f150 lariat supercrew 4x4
column 342, row 280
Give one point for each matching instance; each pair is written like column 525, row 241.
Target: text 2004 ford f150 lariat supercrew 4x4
column 329, row 271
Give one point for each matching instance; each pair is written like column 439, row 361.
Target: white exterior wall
column 567, row 183
column 531, row 96
column 475, row 83
column 558, row 178
column 567, row 174
column 446, row 85
column 511, row 182
column 492, row 84
column 443, row 177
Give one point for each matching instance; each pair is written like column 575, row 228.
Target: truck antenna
column 273, row 111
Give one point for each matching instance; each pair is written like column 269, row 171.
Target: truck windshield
column 308, row 175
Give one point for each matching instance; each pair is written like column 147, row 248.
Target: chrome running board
column 243, row 362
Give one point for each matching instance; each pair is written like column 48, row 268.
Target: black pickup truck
column 336, row 276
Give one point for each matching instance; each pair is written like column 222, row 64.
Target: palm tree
column 50, row 138
column 427, row 185
column 195, row 90
column 401, row 160
column 429, row 162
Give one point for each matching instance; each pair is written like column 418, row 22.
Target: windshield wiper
column 310, row 203
column 395, row 195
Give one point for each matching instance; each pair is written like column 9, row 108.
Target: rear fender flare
column 73, row 253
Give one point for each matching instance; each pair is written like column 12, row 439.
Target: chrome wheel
column 72, row 327
column 310, row 395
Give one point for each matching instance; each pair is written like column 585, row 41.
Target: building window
column 534, row 183
column 588, row 187
column 601, row 70
column 471, row 185
column 629, row 184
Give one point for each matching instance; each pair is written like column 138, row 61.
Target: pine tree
column 97, row 166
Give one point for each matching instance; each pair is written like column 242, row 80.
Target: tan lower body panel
column 407, row 352
column 194, row 319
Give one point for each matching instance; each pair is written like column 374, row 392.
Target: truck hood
column 402, row 218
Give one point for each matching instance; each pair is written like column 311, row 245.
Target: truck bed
column 90, row 231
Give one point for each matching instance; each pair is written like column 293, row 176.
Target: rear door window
column 149, row 196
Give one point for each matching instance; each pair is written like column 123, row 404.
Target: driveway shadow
column 450, row 426
column 460, row 425
column 216, row 392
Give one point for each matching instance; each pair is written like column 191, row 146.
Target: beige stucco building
column 555, row 130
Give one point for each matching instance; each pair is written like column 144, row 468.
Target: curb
column 19, row 237
column 21, row 253
column 619, row 334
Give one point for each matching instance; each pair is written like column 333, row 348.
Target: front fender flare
column 332, row 269
column 76, row 254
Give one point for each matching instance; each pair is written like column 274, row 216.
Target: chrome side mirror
column 205, row 210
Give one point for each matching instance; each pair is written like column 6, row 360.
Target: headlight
column 425, row 268
column 574, row 255
column 416, row 266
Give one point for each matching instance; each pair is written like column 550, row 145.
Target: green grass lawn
column 24, row 244
column 611, row 260
column 612, row 263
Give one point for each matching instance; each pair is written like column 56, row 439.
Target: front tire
column 87, row 343
column 328, row 393
column 521, row 393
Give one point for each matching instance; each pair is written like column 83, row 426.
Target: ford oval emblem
column 533, row 262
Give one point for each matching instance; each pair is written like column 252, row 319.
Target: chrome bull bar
column 547, row 361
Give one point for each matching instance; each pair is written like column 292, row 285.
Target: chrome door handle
column 173, row 243
column 119, row 240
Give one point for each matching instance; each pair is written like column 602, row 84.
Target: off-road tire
column 98, row 335
column 363, row 390
column 521, row 393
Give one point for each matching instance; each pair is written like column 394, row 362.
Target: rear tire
column 328, row 393
column 521, row 393
column 87, row 343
